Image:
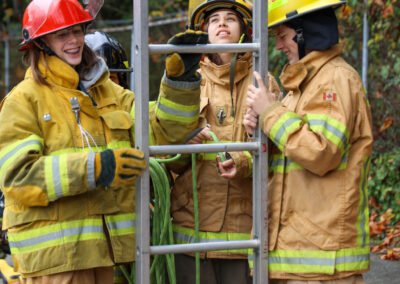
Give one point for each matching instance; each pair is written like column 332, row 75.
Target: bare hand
column 201, row 136
column 250, row 120
column 227, row 169
column 259, row 98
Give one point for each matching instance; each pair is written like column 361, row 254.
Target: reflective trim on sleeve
column 56, row 173
column 170, row 110
column 121, row 224
column 278, row 164
column 56, row 235
column 10, row 153
column 184, row 235
column 288, row 123
column 332, row 129
column 91, row 171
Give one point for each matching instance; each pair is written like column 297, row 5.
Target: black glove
column 182, row 67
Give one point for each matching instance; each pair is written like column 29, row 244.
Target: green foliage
column 384, row 182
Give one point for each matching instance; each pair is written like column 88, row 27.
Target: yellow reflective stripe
column 353, row 259
column 363, row 210
column 280, row 131
column 322, row 262
column 63, row 170
column 332, row 129
column 278, row 161
column 250, row 160
column 112, row 145
column 276, row 4
column 184, row 235
column 121, row 224
column 170, row 110
column 13, row 151
column 119, row 144
column 56, row 173
column 56, row 235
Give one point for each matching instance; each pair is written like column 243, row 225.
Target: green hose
column 162, row 233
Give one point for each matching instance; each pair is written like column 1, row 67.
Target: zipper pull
column 76, row 108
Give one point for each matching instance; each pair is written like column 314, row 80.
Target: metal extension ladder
column 142, row 49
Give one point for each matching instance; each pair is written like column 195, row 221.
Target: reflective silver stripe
column 55, row 164
column 56, row 235
column 301, row 260
column 91, row 171
column 352, row 258
column 16, row 149
column 282, row 128
column 173, row 111
column 278, row 162
column 330, row 128
column 122, row 224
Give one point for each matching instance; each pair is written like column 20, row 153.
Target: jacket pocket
column 313, row 233
column 118, row 123
column 15, row 214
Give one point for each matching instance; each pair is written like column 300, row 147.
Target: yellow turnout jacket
column 57, row 218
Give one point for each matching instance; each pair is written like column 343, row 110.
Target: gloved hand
column 182, row 67
column 118, row 166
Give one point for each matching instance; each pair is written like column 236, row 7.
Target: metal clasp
column 76, row 108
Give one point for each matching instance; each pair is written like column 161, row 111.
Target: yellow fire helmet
column 282, row 11
column 199, row 9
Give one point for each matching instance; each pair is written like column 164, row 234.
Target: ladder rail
column 142, row 201
column 204, row 148
column 260, row 158
column 142, row 49
column 209, row 246
column 203, row 48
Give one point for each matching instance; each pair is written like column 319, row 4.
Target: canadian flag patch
column 329, row 96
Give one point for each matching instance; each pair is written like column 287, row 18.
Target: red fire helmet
column 42, row 17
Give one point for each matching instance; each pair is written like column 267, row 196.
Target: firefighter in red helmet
column 67, row 159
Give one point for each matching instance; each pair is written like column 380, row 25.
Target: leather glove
column 118, row 166
column 183, row 67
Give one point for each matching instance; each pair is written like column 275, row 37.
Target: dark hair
column 214, row 57
column 32, row 55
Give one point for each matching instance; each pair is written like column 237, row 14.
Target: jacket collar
column 59, row 73
column 302, row 72
column 219, row 74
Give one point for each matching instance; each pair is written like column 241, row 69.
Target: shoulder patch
column 329, row 96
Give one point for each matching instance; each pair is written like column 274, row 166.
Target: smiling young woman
column 68, row 162
column 224, row 188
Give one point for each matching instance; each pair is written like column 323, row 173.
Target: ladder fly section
column 142, row 50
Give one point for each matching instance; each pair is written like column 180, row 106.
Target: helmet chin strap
column 44, row 47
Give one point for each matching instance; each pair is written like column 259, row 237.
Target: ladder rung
column 203, row 48
column 224, row 245
column 204, row 148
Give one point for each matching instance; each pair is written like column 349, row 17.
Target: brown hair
column 31, row 58
column 214, row 57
